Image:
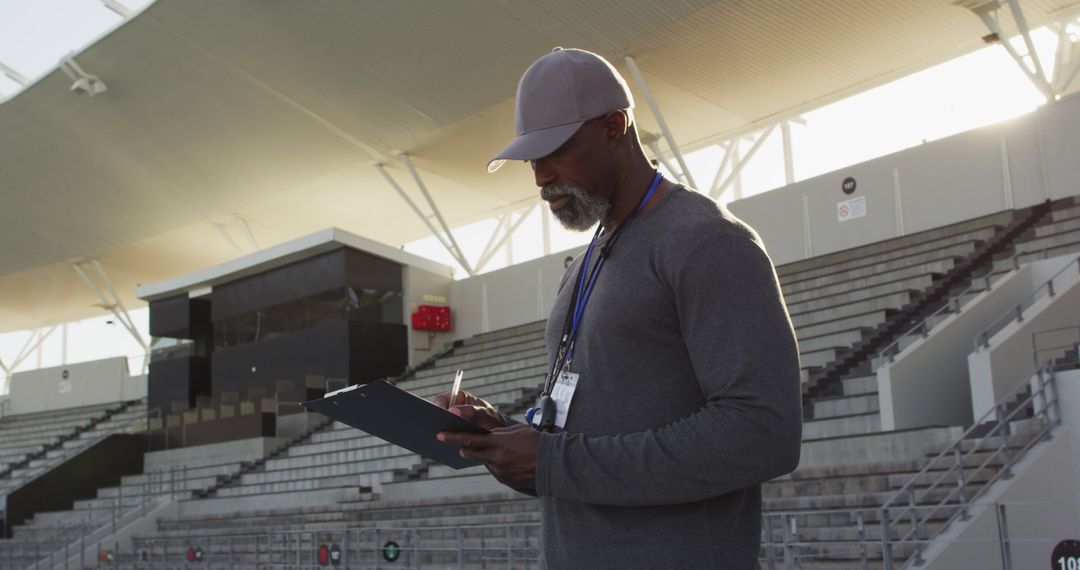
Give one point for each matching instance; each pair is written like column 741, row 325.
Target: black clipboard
column 399, row 417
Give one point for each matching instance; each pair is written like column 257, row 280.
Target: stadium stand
column 335, row 478
column 844, row 306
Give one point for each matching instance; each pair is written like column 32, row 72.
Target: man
column 674, row 384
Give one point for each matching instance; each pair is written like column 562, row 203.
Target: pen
column 457, row 386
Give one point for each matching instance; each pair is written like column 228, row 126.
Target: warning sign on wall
column 850, row 209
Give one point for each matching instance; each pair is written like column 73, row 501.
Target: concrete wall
column 513, row 296
column 1017, row 163
column 927, row 383
column 213, row 454
column 996, row 370
column 1042, row 502
column 425, row 288
column 86, row 384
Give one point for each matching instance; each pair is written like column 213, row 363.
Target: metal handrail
column 982, row 340
column 1054, row 350
column 80, row 538
column 48, row 464
column 952, row 305
column 956, row 460
column 782, row 546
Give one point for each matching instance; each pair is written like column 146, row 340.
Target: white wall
column 942, row 182
column 927, row 383
column 513, row 296
column 996, row 370
column 87, row 384
column 425, row 288
column 1041, row 501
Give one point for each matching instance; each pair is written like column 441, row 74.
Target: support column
column 416, row 210
column 789, row 162
column 740, row 163
column 632, row 64
column 435, row 210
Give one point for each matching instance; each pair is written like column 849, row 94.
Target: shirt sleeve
column 744, row 355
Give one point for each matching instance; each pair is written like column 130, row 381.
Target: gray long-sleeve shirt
column 688, row 399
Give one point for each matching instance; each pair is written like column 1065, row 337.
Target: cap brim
column 534, row 145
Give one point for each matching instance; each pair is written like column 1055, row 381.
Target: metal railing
column 786, row 541
column 514, row 545
column 1048, row 288
column 983, row 455
column 67, row 540
column 1040, row 355
column 954, row 304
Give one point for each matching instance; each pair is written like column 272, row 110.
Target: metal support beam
column 1066, row 62
column 499, row 226
column 119, row 8
column 1021, row 24
column 987, row 11
column 32, row 344
column 435, row 210
column 117, row 306
column 632, row 64
column 506, row 236
column 789, row 160
column 416, row 210
column 14, row 75
column 655, row 148
column 729, row 152
column 737, row 169
column 545, row 228
column 248, row 233
column 225, row 235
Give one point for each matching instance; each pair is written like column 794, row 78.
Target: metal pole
column 435, row 210
column 461, row 548
column 915, row 526
column 1003, row 536
column 886, row 541
column 770, row 554
column 632, row 65
column 961, row 482
column 860, row 524
column 788, row 560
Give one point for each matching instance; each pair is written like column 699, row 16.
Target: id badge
column 563, row 393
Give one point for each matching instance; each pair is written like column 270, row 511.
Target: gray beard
column 581, row 212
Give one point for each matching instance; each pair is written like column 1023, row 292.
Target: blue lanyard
column 584, row 291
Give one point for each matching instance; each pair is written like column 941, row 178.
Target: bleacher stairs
column 844, row 306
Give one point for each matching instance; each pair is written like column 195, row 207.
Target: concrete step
column 849, row 295
column 826, row 268
column 839, row 426
column 891, row 301
column 866, row 320
column 846, row 405
column 953, row 231
column 860, row 385
column 837, row 339
column 828, row 275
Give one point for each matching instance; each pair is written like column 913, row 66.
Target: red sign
column 431, row 318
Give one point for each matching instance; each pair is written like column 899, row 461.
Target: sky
column 977, row 89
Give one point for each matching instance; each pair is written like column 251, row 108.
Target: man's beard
column 581, row 212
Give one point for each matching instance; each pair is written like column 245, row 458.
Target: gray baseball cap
column 555, row 96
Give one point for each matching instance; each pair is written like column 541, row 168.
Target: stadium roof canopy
column 277, row 112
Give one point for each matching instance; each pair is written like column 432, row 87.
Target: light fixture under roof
column 979, row 6
column 84, row 83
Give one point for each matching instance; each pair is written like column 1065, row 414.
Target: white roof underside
column 277, row 111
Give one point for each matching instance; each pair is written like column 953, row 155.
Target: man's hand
column 508, row 452
column 473, row 409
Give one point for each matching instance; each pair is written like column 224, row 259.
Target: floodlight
column 979, row 6
column 84, row 83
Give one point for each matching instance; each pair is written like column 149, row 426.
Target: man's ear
column 616, row 125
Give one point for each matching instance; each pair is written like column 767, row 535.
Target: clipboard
column 399, row 417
